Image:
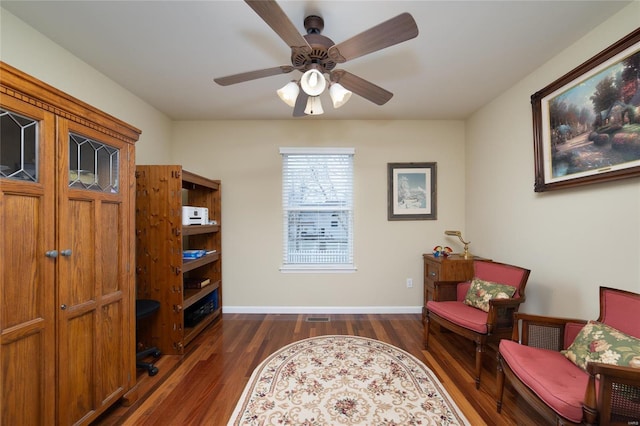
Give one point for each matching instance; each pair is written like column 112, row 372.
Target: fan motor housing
column 318, row 57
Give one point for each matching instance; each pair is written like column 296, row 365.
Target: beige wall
column 244, row 155
column 573, row 240
column 28, row 50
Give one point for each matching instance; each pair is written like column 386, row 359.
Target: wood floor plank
column 203, row 386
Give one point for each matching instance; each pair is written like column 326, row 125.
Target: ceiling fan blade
column 361, row 87
column 301, row 104
column 274, row 16
column 253, row 75
column 396, row 30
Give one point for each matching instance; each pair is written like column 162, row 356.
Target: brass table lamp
column 458, row 234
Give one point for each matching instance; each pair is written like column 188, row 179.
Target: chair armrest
column 541, row 331
column 618, row 394
column 445, row 291
column 505, row 303
column 501, row 312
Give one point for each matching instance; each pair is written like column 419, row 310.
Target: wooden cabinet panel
column 110, row 354
column 76, row 366
column 24, row 387
column 109, row 247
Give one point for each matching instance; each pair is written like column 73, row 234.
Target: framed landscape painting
column 587, row 123
column 411, row 191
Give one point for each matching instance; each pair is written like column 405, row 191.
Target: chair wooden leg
column 499, row 384
column 479, row 352
column 425, row 337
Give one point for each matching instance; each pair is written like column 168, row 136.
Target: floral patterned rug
column 344, row 380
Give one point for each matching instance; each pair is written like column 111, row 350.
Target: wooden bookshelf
column 162, row 237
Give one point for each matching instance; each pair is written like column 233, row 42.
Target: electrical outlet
column 409, row 282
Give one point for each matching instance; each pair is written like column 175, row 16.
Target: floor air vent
column 317, row 319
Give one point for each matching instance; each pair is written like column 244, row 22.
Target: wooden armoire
column 67, row 290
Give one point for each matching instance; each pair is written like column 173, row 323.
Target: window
column 317, row 200
column 18, row 147
column 92, row 165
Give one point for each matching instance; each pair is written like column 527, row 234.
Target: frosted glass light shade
column 314, row 106
column 289, row 93
column 313, row 82
column 339, row 95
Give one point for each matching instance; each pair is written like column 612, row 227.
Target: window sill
column 318, row 269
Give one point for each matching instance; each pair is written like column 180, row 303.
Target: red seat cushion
column 550, row 375
column 457, row 312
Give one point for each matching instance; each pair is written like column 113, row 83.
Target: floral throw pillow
column 480, row 292
column 598, row 342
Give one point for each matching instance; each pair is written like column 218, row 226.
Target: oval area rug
column 344, row 380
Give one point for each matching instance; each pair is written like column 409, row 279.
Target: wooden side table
column 450, row 268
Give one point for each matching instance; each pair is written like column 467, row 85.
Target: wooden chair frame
column 499, row 317
column 548, row 333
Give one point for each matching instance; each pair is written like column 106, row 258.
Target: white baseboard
column 321, row 309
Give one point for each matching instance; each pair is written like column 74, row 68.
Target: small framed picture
column 411, row 191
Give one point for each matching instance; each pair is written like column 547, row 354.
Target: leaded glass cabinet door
column 27, row 262
column 93, row 292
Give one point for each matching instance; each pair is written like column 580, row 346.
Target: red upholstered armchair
column 488, row 323
column 557, row 387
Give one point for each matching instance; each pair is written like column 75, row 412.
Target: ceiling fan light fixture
column 313, row 82
column 339, row 95
column 314, row 106
column 316, row 56
column 289, row 93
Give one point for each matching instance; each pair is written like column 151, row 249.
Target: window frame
column 348, row 207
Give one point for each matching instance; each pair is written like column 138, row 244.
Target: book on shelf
column 196, row 282
column 193, row 254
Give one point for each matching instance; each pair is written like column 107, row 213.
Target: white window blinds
column 317, row 198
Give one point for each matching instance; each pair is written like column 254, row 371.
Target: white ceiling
column 168, row 52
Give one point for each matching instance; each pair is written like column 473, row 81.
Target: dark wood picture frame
column 411, row 191
column 596, row 139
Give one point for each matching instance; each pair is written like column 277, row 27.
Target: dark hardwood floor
column 203, row 386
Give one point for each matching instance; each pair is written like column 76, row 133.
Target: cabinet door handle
column 52, row 254
column 66, row 252
column 63, row 307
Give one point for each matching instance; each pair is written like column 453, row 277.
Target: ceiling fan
column 316, row 55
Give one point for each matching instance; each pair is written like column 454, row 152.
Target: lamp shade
column 288, row 93
column 314, row 106
column 339, row 95
column 313, row 82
